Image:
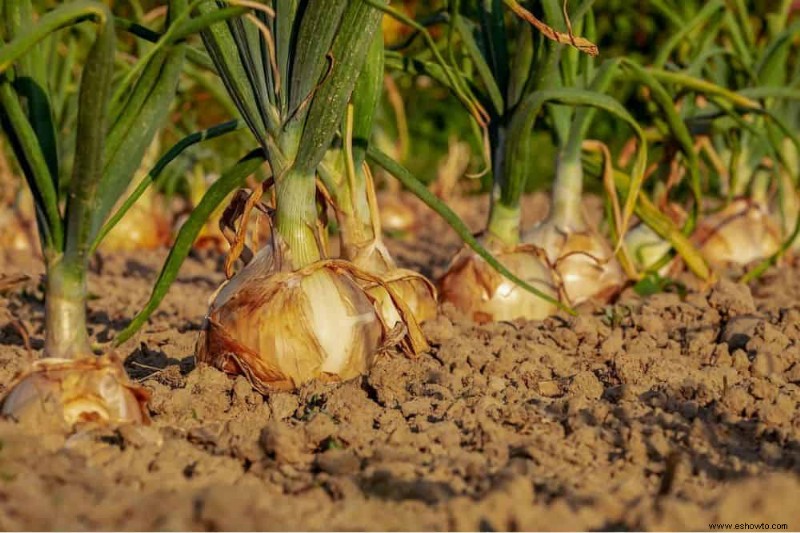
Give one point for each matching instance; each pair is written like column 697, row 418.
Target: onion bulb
column 210, row 236
column 283, row 328
column 55, row 392
column 394, row 30
column 14, row 233
column 485, row 295
column 582, row 261
column 396, row 215
column 18, row 224
column 739, row 234
column 413, row 288
column 646, row 247
column 145, row 226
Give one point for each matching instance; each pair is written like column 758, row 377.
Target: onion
column 739, row 234
column 582, row 261
column 18, row 224
column 646, row 248
column 144, row 227
column 418, row 293
column 14, row 233
column 477, row 289
column 284, row 328
column 54, row 392
column 395, row 215
column 394, row 30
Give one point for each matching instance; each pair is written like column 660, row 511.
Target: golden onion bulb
column 284, row 328
column 485, row 295
column 646, row 247
column 54, row 392
column 18, row 224
column 144, row 227
column 209, row 238
column 583, row 262
column 395, row 215
column 14, row 235
column 739, row 234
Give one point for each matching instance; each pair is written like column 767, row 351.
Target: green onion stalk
column 292, row 314
column 70, row 384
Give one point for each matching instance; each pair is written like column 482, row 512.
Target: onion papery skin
column 583, row 261
column 739, row 234
column 485, row 295
column 60, row 393
column 413, row 288
column 284, row 328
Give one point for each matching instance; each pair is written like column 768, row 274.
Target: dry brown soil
column 666, row 412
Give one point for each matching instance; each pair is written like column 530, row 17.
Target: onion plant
column 510, row 86
column 291, row 314
column 117, row 117
column 581, row 257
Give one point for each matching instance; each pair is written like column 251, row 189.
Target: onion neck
column 505, row 215
column 296, row 217
column 65, row 309
column 759, row 191
column 742, row 175
column 504, row 223
column 355, row 221
column 567, row 193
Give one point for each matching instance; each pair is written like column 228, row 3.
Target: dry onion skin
column 61, row 393
column 412, row 287
column 485, row 295
column 741, row 233
column 284, row 328
column 583, row 262
column 362, row 244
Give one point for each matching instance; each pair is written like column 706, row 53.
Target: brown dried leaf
column 584, row 45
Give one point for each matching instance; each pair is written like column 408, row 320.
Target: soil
column 667, row 412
